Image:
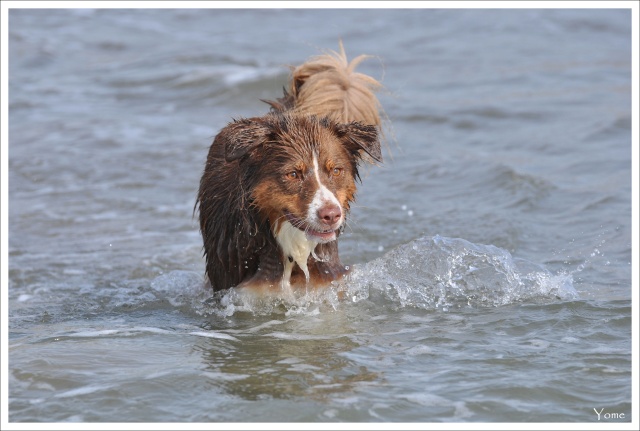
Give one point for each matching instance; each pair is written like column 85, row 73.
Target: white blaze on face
column 294, row 242
column 322, row 197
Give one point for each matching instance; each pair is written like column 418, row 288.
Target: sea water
column 490, row 253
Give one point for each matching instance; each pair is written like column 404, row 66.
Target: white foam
column 84, row 390
column 212, row 334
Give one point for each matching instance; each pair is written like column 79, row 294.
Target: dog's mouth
column 311, row 231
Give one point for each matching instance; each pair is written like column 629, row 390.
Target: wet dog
column 276, row 189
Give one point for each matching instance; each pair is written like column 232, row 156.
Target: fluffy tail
column 328, row 86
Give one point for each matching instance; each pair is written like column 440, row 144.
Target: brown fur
column 328, row 86
column 247, row 184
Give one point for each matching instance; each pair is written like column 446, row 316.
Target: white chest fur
column 294, row 245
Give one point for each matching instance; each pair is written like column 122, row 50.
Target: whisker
column 357, row 205
column 278, row 219
column 349, row 221
column 347, row 225
column 296, row 222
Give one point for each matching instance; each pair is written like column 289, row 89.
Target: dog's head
column 301, row 170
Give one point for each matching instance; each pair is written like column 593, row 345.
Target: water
column 491, row 252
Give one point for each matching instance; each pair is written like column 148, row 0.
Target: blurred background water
column 492, row 250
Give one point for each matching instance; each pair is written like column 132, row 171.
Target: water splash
column 429, row 273
column 288, row 302
column 438, row 273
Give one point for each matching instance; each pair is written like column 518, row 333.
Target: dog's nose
column 329, row 214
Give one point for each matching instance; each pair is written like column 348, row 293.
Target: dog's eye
column 336, row 172
column 293, row 175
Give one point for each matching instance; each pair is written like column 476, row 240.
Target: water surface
column 491, row 251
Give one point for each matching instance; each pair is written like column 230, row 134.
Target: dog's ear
column 359, row 138
column 242, row 136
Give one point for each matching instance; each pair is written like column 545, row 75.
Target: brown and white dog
column 276, row 189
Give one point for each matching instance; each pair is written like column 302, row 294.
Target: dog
column 276, row 190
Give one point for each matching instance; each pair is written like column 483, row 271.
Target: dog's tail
column 328, row 86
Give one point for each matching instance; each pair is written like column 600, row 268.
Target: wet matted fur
column 260, row 203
